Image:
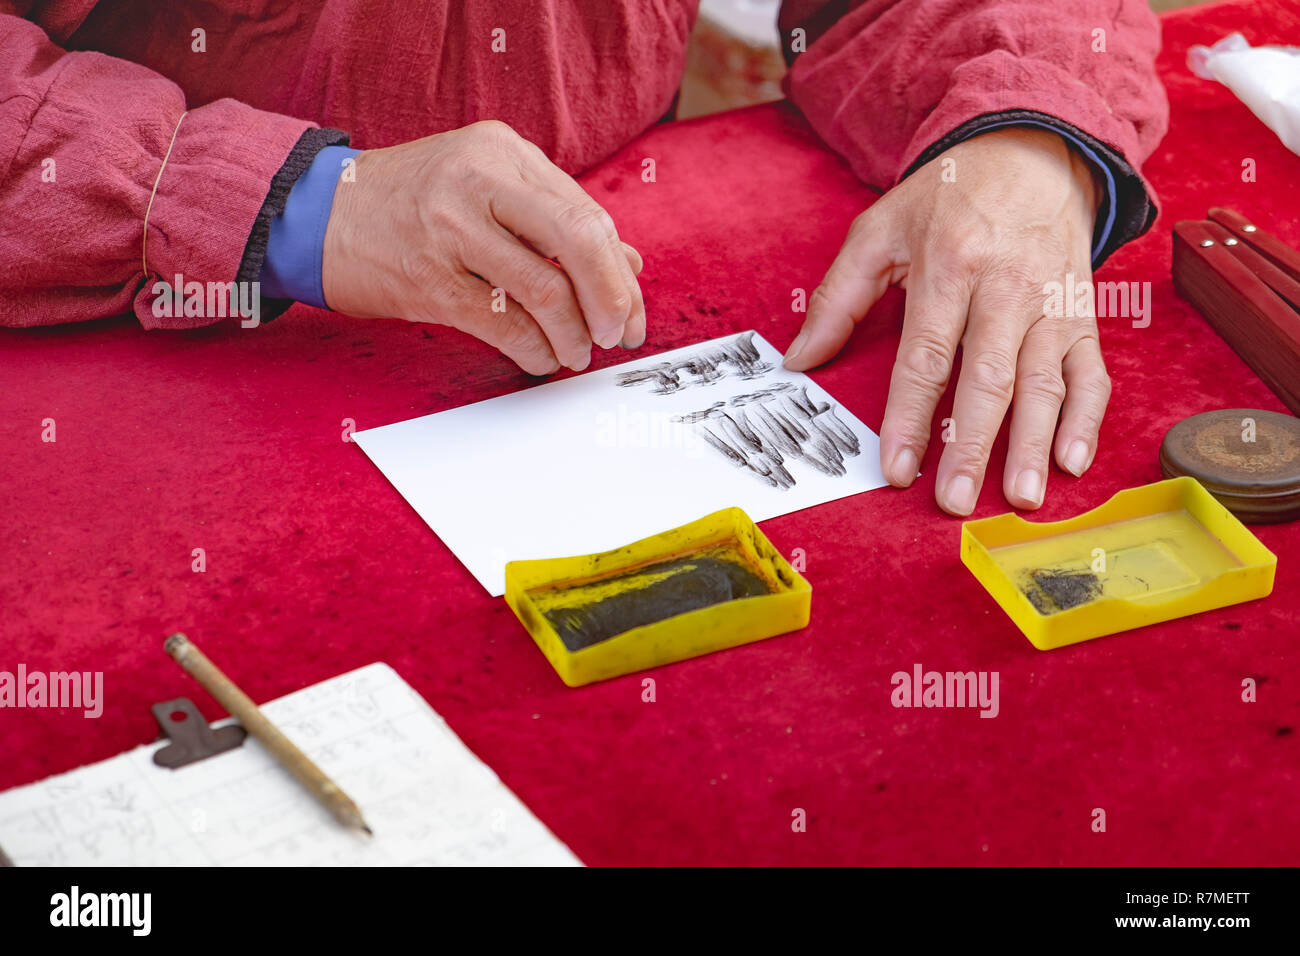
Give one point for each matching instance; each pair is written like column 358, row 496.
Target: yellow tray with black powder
column 703, row 587
column 1149, row 554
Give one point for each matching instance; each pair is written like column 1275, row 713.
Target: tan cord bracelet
column 144, row 242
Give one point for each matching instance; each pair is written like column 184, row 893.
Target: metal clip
column 191, row 738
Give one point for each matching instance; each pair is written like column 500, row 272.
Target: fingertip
column 817, row 343
column 539, row 371
column 1025, row 491
column 901, row 470
column 791, row 359
column 634, row 334
column 538, row 363
column 611, row 337
column 1076, row 457
column 958, row 496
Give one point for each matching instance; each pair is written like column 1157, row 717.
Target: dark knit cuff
column 311, row 142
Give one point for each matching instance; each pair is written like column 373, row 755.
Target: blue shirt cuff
column 1106, row 214
column 292, row 268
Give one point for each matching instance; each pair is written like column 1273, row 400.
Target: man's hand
column 975, row 253
column 428, row 230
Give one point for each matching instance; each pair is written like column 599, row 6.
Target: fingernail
column 580, row 365
column 961, row 495
column 1076, row 457
column 635, row 344
column 904, row 468
column 1029, row 487
column 796, row 347
column 611, row 338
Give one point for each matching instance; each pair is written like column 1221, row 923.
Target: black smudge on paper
column 761, row 431
column 738, row 358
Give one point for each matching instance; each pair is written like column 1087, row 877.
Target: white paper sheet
column 589, row 464
column 426, row 796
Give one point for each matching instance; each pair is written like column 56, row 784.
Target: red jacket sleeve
column 82, row 140
column 884, row 80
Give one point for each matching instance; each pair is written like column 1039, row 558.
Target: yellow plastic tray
column 534, row 588
column 1147, row 555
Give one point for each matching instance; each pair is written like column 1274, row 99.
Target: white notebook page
column 429, row 800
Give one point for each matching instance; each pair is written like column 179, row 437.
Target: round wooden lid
column 1249, row 459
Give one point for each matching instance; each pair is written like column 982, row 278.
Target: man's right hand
column 428, row 230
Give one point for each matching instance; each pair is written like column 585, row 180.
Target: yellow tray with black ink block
column 708, row 585
column 1149, row 554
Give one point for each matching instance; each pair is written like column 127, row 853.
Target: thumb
column 854, row 283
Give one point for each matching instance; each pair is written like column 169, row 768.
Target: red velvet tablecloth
column 229, row 440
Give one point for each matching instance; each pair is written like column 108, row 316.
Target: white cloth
column 1265, row 78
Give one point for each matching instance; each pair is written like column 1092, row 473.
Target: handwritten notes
column 594, row 462
column 428, row 798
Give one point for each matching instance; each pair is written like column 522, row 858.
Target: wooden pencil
column 242, row 708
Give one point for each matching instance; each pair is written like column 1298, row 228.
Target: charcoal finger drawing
column 760, row 431
column 738, row 357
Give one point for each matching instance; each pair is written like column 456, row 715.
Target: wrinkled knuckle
column 1013, row 302
column 927, row 362
column 970, row 451
column 604, row 222
column 993, row 375
column 494, row 128
column 461, row 166
column 964, row 251
column 1045, row 383
column 549, row 291
column 819, row 300
column 1098, row 386
column 514, row 335
column 620, row 303
column 590, row 227
column 1020, row 283
column 914, row 433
